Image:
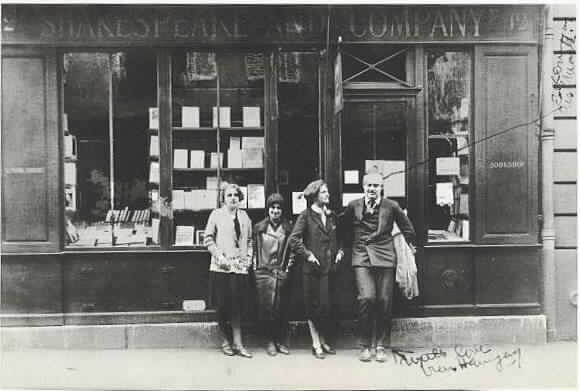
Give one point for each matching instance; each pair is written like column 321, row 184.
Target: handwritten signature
column 459, row 359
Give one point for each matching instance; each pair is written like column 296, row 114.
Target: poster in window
column 200, row 66
column 254, row 66
column 289, row 71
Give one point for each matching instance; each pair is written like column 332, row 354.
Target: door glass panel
column 298, row 144
column 374, row 138
column 449, row 124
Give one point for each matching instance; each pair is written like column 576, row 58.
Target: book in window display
column 190, row 117
column 213, row 161
column 184, row 235
column 234, row 158
column 225, row 117
column 197, row 159
column 154, row 146
column 256, row 197
column 154, row 172
column 153, row 118
column 251, row 117
column 253, row 158
column 180, row 158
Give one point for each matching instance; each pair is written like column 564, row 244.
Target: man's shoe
column 282, row 349
column 327, row 349
column 381, row 354
column 271, row 349
column 227, row 349
column 365, row 355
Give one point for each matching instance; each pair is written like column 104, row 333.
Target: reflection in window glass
column 449, row 102
column 107, row 168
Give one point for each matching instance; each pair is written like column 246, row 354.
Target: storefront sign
column 443, row 23
column 62, row 24
column 33, row 24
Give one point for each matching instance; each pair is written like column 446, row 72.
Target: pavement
column 460, row 367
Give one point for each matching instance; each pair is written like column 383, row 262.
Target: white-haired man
column 369, row 222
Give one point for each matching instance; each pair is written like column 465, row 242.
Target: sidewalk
column 538, row 366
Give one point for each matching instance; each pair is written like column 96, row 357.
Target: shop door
column 379, row 134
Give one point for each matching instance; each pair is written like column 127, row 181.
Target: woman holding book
column 314, row 240
column 272, row 258
column 228, row 237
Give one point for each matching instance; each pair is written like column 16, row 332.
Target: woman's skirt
column 270, row 287
column 316, row 296
column 229, row 292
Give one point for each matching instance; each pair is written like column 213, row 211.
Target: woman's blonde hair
column 227, row 185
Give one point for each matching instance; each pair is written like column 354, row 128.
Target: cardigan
column 220, row 240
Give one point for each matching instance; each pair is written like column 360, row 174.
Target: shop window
column 108, row 152
column 449, row 76
column 298, row 140
column 218, row 135
column 376, row 63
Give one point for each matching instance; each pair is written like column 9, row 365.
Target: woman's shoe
column 327, row 349
column 271, row 349
column 318, row 353
column 282, row 349
column 241, row 351
column 227, row 349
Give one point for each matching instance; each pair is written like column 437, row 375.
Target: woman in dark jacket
column 314, row 240
column 271, row 261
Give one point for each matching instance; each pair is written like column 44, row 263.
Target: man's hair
column 374, row 175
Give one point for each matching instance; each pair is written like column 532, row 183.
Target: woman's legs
column 314, row 334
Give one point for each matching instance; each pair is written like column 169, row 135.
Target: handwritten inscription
column 461, row 358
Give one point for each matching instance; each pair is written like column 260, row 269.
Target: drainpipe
column 547, row 138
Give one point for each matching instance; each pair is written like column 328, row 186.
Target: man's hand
column 339, row 256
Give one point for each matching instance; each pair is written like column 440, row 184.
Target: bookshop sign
column 438, row 23
column 104, row 24
column 118, row 24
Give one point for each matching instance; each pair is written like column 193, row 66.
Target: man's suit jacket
column 310, row 236
column 377, row 248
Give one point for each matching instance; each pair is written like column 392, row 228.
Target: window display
column 110, row 161
column 218, row 135
column 449, row 112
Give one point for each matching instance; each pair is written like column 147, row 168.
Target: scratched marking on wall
column 564, row 67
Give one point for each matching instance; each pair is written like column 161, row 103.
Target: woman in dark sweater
column 314, row 240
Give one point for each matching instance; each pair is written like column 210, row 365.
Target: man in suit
column 368, row 224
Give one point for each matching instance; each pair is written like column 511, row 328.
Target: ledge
column 406, row 332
